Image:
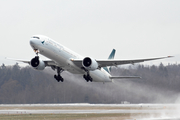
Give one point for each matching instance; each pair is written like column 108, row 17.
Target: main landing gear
column 58, row 76
column 88, row 77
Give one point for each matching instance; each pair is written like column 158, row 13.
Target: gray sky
column 135, row 28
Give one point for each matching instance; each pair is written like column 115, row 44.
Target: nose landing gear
column 36, row 51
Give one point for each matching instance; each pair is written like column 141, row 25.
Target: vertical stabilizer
column 111, row 56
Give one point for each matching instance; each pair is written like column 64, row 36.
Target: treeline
column 159, row 84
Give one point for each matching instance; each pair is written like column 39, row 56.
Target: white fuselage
column 62, row 56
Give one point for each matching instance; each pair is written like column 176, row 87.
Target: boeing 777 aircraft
column 62, row 59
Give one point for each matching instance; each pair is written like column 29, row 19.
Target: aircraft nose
column 32, row 41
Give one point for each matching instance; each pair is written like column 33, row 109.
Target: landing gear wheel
column 62, row 80
column 90, row 79
column 55, row 76
column 58, row 77
column 87, row 78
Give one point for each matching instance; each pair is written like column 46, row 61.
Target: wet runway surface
column 163, row 111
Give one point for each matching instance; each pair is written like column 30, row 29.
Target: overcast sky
column 135, row 28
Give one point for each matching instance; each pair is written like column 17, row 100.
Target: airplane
column 64, row 59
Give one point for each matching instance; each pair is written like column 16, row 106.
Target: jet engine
column 37, row 64
column 89, row 63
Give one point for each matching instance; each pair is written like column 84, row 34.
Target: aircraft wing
column 112, row 62
column 19, row 60
column 47, row 62
column 104, row 63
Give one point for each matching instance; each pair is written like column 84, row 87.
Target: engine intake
column 37, row 64
column 89, row 63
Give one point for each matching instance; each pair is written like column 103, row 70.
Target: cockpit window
column 35, row 37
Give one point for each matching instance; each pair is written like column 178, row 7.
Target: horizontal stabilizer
column 124, row 77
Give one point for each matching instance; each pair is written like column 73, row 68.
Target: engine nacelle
column 37, row 64
column 89, row 63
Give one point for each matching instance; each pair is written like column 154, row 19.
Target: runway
column 16, row 111
column 148, row 111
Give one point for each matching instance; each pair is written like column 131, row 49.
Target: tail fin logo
column 43, row 42
column 111, row 56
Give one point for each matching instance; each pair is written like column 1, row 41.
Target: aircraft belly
column 99, row 76
column 73, row 70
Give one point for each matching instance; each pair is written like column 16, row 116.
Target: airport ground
column 85, row 111
column 68, row 117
